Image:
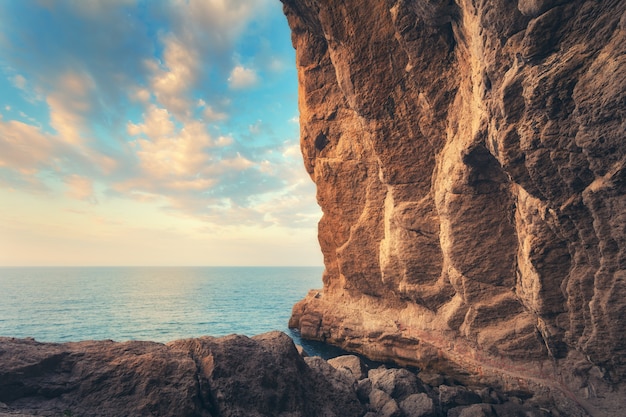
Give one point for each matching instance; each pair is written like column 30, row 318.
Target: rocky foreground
column 236, row 376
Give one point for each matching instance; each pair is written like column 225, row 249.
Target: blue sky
column 151, row 133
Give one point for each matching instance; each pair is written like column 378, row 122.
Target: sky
column 136, row 132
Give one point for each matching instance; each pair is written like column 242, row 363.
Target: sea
column 63, row 304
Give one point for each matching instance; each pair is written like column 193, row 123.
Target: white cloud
column 157, row 123
column 171, row 83
column 241, row 77
column 177, row 160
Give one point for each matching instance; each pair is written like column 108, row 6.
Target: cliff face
column 470, row 161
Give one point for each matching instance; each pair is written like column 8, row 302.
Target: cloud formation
column 154, row 101
column 241, row 77
column 24, row 148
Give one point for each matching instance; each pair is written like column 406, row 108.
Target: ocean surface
column 152, row 303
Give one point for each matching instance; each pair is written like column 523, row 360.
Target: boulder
column 452, row 396
column 350, row 363
column 378, row 399
column 399, row 383
column 475, row 410
column 418, row 405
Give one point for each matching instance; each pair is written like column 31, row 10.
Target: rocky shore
column 265, row 375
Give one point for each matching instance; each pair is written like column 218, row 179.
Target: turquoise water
column 159, row 304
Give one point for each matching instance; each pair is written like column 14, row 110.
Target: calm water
column 159, row 304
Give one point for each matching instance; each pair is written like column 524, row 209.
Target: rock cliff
column 470, row 162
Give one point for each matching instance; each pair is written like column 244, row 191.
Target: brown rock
column 399, row 383
column 349, row 363
column 514, row 410
column 99, row 379
column 470, row 162
column 378, row 399
column 476, row 410
column 230, row 376
column 418, row 405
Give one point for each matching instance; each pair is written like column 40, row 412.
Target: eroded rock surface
column 230, row 376
column 236, row 376
column 470, row 161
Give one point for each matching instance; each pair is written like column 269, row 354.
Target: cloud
column 157, row 118
column 172, row 82
column 70, row 105
column 177, row 160
column 241, row 77
column 141, row 95
column 80, row 188
column 157, row 123
column 209, row 114
column 23, row 147
column 19, row 81
column 214, row 25
column 198, row 48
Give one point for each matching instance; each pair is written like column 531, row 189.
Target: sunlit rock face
column 470, row 161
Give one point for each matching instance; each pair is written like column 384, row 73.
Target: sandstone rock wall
column 470, row 162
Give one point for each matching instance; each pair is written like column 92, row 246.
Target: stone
column 99, row 379
column 471, row 169
column 417, row 405
column 390, row 409
column 510, row 409
column 343, row 384
column 475, row 410
column 378, row 399
column 363, row 389
column 432, row 379
column 454, row 396
column 351, row 363
column 490, row 396
column 230, row 376
column 399, row 383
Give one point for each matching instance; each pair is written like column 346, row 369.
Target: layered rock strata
column 469, row 158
